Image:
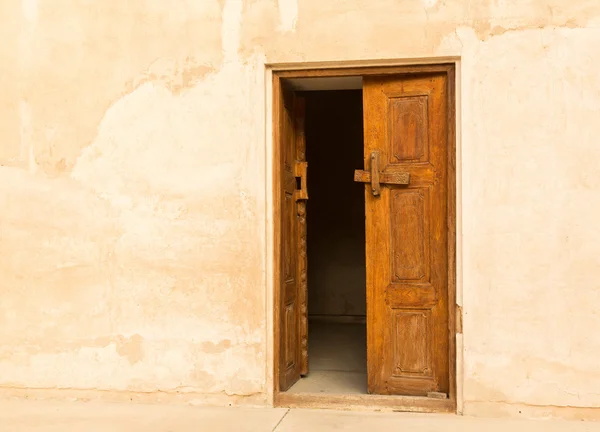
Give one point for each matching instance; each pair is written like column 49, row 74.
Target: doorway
column 365, row 238
column 337, row 347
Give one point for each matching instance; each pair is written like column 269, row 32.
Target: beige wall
column 132, row 188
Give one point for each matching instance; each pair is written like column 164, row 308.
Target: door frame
column 320, row 400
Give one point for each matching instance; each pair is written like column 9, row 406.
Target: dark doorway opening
column 335, row 244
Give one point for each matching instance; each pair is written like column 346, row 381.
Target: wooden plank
column 451, row 209
column 363, row 71
column 277, row 187
column 399, row 178
column 300, row 170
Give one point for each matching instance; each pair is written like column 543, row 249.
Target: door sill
column 365, row 402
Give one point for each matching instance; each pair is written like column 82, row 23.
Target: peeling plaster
column 499, row 30
column 212, row 348
column 177, row 76
column 131, row 348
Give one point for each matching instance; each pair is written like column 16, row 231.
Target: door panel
column 293, row 356
column 405, row 121
column 410, row 234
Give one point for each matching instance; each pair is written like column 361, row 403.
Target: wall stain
column 131, row 348
column 177, row 76
column 200, row 376
column 72, row 76
column 500, row 30
column 212, row 348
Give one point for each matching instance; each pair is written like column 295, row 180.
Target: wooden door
column 406, row 155
column 293, row 314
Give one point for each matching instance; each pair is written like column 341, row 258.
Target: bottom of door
column 365, row 402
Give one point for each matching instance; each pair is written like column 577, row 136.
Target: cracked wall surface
column 132, row 187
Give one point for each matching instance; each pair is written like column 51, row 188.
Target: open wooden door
column 406, row 160
column 293, row 313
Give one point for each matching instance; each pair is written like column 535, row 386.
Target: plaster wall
column 133, row 190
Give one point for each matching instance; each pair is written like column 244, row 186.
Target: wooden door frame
column 320, row 400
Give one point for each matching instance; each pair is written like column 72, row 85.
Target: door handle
column 300, row 170
column 376, row 177
column 375, row 187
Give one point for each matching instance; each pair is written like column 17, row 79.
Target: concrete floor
column 337, row 359
column 30, row 416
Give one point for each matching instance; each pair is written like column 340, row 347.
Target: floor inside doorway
column 336, row 360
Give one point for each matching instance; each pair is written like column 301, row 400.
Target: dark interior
column 336, row 208
column 335, row 244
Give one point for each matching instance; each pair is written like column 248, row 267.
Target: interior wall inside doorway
column 336, row 209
